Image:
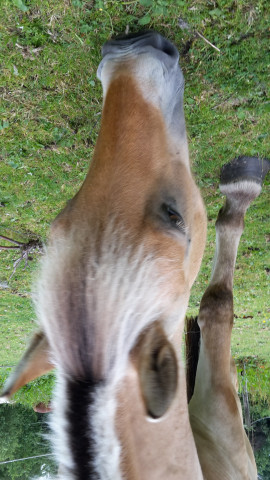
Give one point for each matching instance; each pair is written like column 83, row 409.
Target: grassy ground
column 49, row 120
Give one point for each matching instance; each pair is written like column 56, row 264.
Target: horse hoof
column 243, row 168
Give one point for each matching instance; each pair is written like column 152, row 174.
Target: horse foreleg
column 215, row 410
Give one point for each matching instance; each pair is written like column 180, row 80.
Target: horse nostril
column 168, row 49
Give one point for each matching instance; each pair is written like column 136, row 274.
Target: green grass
column 49, row 120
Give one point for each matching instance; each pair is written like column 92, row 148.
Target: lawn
column 49, row 120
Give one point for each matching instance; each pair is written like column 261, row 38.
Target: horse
column 114, row 288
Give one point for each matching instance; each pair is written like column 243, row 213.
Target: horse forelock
column 94, row 299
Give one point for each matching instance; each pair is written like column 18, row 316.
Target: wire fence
column 27, row 458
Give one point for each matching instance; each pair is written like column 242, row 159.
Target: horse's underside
column 114, row 288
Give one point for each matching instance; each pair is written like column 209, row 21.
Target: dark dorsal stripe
column 80, row 396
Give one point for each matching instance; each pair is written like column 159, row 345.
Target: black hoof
column 245, row 168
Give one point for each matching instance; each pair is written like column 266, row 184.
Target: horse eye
column 175, row 219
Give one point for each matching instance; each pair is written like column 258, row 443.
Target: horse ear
column 34, row 363
column 158, row 371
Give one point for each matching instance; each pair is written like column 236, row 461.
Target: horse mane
column 192, row 344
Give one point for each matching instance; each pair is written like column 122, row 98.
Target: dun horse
column 114, row 288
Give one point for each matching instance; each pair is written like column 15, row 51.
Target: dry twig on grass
column 185, row 26
column 25, row 248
